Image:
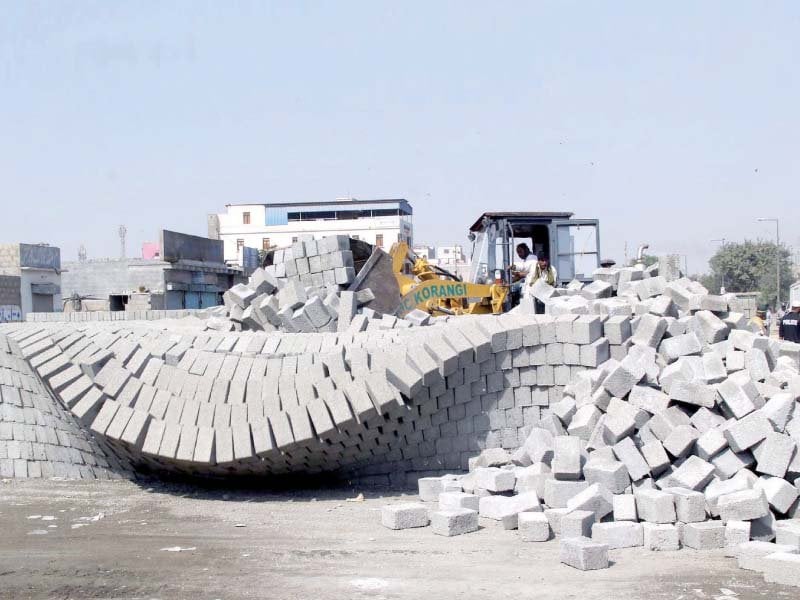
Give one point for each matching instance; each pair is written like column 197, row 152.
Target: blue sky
column 674, row 124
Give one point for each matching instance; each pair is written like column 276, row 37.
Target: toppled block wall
column 38, row 437
column 387, row 400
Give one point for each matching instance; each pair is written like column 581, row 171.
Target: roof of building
column 338, row 202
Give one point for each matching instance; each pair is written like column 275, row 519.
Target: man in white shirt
column 523, row 268
column 542, row 271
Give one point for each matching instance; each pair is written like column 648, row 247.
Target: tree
column 750, row 267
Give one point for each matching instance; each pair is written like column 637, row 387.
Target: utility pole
column 722, row 273
column 777, row 258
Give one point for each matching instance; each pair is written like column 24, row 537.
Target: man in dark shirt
column 789, row 328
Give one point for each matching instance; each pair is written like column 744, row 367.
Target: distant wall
column 9, row 259
column 104, row 277
column 108, row 315
column 181, row 246
column 9, row 290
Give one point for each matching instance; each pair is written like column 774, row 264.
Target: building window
column 446, row 250
column 265, row 243
column 379, row 240
column 239, row 245
column 294, row 239
column 246, row 218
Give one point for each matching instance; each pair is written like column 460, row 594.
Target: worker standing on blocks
column 547, row 273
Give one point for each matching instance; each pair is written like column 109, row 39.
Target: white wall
column 231, row 229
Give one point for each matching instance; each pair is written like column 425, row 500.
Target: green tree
column 750, row 267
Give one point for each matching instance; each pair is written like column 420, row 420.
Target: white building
column 450, row 257
column 279, row 224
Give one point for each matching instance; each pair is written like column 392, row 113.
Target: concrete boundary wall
column 109, row 315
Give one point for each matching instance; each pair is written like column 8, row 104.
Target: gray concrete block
column 577, row 523
column 660, row 537
column 583, row 554
column 704, row 536
column 404, row 516
column 452, row 522
column 625, row 534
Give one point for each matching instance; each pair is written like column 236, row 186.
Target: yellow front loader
column 430, row 288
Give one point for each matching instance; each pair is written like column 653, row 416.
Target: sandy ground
column 123, row 540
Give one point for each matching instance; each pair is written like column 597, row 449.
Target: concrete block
column 624, row 534
column 787, row 533
column 736, row 532
column 583, row 554
column 628, row 454
column 430, row 488
column 690, row 505
column 655, row 506
column 775, row 453
column 404, row 516
column 624, row 507
column 612, row 475
column 533, row 527
column 660, row 537
column 707, row 535
column 457, row 521
column 693, row 474
column 649, row 330
column 743, row 505
column 750, row 555
column 577, row 523
column 507, row 508
column 566, row 458
column 780, row 494
column 747, row 431
column 738, row 400
column 458, row 500
column 594, row 498
column 494, row 479
column 782, row 568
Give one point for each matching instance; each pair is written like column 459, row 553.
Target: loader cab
column 572, row 245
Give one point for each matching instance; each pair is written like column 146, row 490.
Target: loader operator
column 789, row 328
column 526, row 263
column 521, row 271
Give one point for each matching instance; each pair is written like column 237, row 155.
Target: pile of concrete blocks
column 288, row 297
column 687, row 435
column 326, row 263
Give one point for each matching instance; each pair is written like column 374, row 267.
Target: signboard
column 181, row 246
column 9, row 312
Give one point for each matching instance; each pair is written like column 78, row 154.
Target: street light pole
column 722, row 241
column 777, row 259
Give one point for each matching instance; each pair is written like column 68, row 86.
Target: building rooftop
column 337, row 201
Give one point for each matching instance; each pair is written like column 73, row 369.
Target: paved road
column 111, row 540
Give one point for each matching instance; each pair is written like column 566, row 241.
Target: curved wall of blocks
column 38, row 436
column 378, row 403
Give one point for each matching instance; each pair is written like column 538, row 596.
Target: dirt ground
column 69, row 539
